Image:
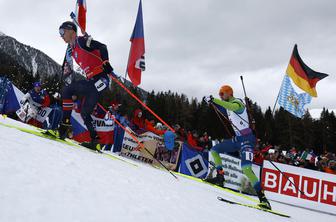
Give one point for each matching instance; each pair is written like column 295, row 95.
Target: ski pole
column 73, row 16
column 225, row 118
column 140, row 144
column 222, row 121
column 25, row 119
column 143, row 104
column 124, row 128
column 241, row 77
column 286, row 177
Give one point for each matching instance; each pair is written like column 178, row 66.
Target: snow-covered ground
column 44, row 180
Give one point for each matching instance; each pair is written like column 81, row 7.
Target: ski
column 218, row 187
column 89, row 146
column 252, row 206
column 48, row 135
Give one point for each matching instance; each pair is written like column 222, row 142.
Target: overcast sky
column 195, row 46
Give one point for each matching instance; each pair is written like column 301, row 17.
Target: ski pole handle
column 72, row 15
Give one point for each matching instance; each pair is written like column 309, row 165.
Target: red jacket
column 90, row 62
column 259, row 155
column 150, row 127
column 137, row 121
column 193, row 142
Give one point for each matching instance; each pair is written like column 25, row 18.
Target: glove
column 107, row 67
column 208, row 99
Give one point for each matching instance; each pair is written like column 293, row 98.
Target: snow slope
column 44, row 180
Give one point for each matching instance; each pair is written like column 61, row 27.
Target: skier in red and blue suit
column 92, row 57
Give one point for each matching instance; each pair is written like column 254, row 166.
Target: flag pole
column 279, row 92
column 277, row 98
column 127, row 62
column 276, row 102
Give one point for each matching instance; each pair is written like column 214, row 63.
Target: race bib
column 100, row 85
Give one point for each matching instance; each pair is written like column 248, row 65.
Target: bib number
column 249, row 156
column 100, row 85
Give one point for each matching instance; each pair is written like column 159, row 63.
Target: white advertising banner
column 155, row 145
column 318, row 188
column 42, row 113
column 234, row 177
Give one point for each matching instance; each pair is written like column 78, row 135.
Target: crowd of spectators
column 203, row 143
column 325, row 162
column 141, row 122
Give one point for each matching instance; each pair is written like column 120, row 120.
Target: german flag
column 303, row 76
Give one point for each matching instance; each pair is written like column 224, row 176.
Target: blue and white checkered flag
column 292, row 101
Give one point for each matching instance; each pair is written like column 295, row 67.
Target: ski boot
column 218, row 179
column 64, row 129
column 94, row 143
column 263, row 200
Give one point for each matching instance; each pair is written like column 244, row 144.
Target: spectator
column 149, row 126
column 179, row 131
column 55, row 100
column 138, row 121
column 259, row 155
column 31, row 102
column 331, row 168
column 192, row 139
column 205, row 141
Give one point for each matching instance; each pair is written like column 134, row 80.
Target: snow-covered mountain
column 21, row 62
column 44, row 180
column 32, row 60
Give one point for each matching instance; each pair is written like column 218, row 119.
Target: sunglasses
column 61, row 32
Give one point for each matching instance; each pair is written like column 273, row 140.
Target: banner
column 193, row 162
column 155, row 145
column 81, row 134
column 11, row 96
column 234, row 176
column 169, row 158
column 319, row 188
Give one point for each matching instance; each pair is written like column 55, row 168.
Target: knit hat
column 37, row 84
column 69, row 26
column 226, row 89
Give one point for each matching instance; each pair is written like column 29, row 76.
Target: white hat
column 158, row 125
column 57, row 95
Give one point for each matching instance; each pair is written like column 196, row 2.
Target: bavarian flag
column 303, row 76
